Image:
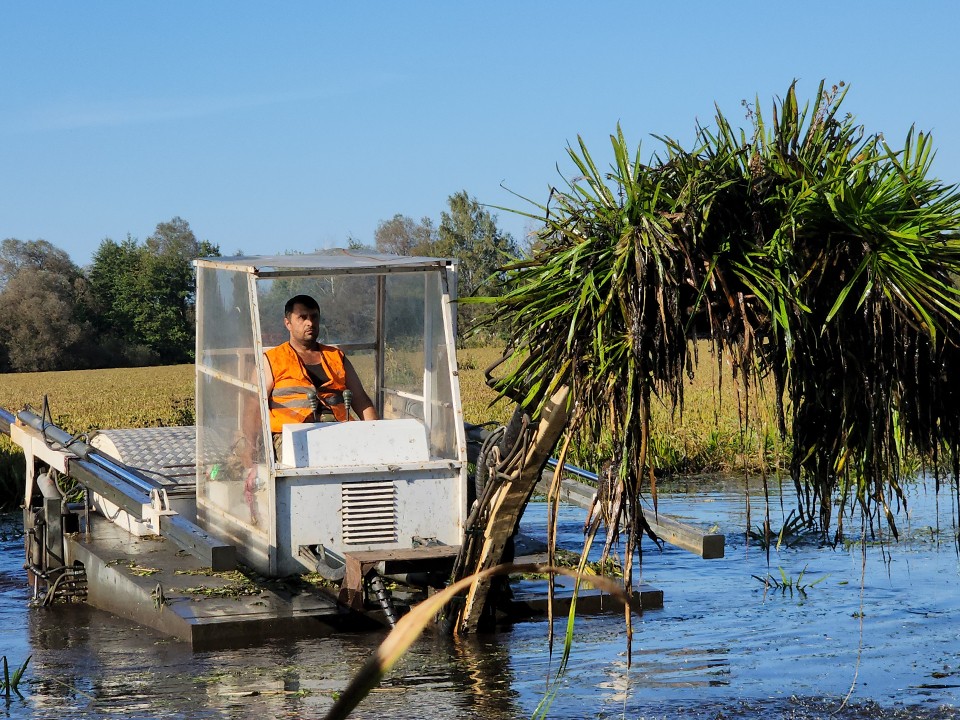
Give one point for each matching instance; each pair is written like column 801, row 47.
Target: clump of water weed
column 786, row 583
column 795, row 530
column 12, row 683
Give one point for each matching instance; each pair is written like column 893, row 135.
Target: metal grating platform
column 167, row 454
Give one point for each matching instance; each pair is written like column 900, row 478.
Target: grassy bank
column 706, row 438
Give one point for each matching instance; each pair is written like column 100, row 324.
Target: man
column 306, row 384
column 308, row 379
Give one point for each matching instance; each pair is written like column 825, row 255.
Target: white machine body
column 394, row 484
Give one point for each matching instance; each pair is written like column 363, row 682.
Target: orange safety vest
column 290, row 400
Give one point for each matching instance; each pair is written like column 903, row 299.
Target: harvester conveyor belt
column 128, row 490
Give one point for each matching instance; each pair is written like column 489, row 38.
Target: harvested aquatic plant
column 817, row 262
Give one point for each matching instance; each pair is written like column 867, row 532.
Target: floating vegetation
column 246, row 582
column 795, row 530
column 235, row 584
column 787, row 583
column 818, row 263
column 143, row 571
column 609, row 567
column 317, row 580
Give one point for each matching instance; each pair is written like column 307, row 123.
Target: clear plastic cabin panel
column 395, row 483
column 227, row 406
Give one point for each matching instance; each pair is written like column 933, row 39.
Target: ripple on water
column 723, row 646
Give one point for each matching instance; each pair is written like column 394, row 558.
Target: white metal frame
column 318, row 266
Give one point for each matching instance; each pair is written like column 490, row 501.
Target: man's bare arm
column 361, row 402
column 251, row 427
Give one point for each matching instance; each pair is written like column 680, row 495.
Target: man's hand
column 249, row 494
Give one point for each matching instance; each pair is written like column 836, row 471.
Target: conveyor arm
column 126, row 488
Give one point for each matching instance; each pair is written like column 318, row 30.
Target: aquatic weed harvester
column 340, row 503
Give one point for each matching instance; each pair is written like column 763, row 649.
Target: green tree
column 113, row 277
column 145, row 294
column 16, row 255
column 44, row 308
column 469, row 233
column 402, row 235
column 167, row 317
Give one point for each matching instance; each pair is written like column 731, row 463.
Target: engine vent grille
column 369, row 512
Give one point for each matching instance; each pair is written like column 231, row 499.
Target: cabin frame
column 390, row 485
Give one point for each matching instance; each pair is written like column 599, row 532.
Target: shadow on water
column 723, row 646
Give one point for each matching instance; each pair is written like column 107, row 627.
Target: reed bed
column 85, row 400
column 707, row 436
column 81, row 401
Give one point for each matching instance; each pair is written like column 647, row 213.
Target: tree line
column 467, row 232
column 134, row 305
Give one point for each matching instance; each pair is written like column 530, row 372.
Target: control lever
column 314, row 402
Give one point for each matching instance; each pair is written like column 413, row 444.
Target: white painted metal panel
column 366, row 511
column 354, row 443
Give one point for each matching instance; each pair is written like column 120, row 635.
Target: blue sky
column 293, row 126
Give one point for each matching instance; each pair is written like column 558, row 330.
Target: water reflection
column 722, row 646
column 483, row 668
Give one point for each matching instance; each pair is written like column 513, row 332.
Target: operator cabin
column 370, row 335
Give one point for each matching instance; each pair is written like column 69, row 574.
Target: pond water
column 882, row 628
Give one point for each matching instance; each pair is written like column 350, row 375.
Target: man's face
column 303, row 324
